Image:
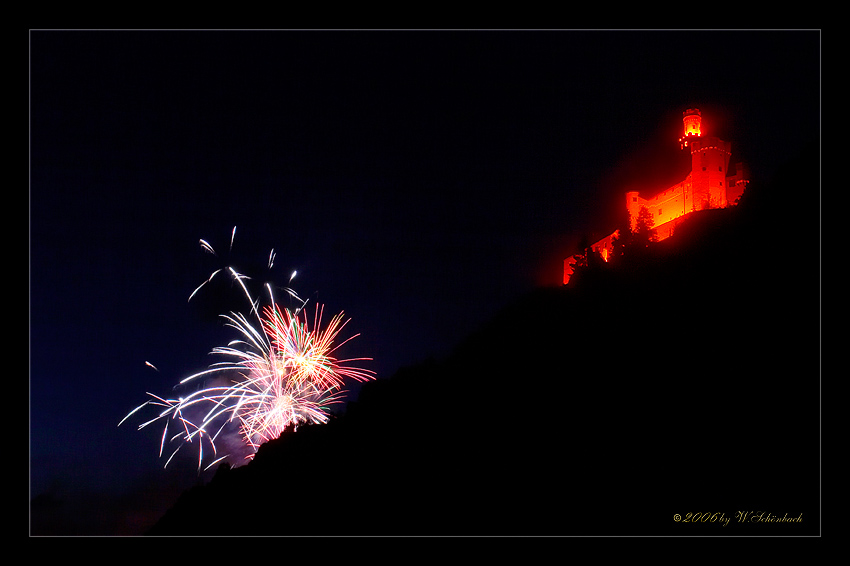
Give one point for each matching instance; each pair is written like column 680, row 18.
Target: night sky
column 417, row 180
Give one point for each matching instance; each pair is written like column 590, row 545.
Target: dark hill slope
column 593, row 409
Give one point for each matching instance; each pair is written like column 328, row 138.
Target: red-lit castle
column 708, row 185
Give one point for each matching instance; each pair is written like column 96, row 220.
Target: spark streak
column 281, row 371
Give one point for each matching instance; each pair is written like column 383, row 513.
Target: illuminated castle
column 708, row 185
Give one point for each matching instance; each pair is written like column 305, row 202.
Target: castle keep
column 710, row 184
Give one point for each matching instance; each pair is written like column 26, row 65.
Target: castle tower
column 692, row 120
column 709, row 164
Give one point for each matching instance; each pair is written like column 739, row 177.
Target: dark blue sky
column 417, row 180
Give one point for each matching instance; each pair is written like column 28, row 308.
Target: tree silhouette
column 588, row 261
column 581, row 256
column 622, row 241
column 644, row 233
column 628, row 243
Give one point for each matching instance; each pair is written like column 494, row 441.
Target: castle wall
column 667, row 229
column 569, row 268
column 736, row 184
column 664, row 207
column 604, row 246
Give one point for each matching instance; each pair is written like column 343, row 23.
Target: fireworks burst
column 280, row 372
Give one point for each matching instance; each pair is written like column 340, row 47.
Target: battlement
column 706, row 143
column 692, row 120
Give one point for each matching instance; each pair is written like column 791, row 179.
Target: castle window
column 634, row 199
column 703, row 168
column 720, row 168
column 659, row 212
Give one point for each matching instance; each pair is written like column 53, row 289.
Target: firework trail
column 280, row 372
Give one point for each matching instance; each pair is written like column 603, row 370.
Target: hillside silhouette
column 685, row 381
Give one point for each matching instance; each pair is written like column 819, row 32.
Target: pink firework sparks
column 281, row 372
column 285, row 374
